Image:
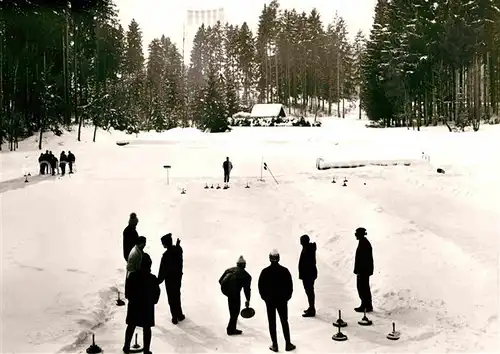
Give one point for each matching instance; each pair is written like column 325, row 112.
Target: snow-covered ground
column 435, row 236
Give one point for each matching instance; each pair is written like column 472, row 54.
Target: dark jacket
column 142, row 291
column 71, row 157
column 238, row 279
column 275, row 284
column 363, row 264
column 171, row 265
column 63, row 158
column 307, row 262
column 130, row 237
column 227, row 166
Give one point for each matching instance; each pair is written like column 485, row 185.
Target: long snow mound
column 321, row 164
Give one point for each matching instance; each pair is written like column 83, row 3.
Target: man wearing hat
column 232, row 281
column 363, row 268
column 171, row 271
column 308, row 272
column 130, row 235
column 276, row 288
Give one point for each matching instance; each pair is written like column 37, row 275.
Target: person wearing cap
column 143, row 292
column 232, row 281
column 171, row 271
column 130, row 235
column 276, row 288
column 135, row 256
column 363, row 268
column 308, row 272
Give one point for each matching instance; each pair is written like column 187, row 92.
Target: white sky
column 157, row 17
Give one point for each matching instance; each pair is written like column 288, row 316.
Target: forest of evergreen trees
column 426, row 62
column 433, row 62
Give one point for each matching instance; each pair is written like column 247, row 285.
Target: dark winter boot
column 174, row 320
column 274, row 348
column 181, row 318
column 235, row 332
column 289, row 347
column 360, row 309
column 309, row 313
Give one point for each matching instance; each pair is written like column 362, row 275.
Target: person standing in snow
column 135, row 256
column 53, row 163
column 71, row 161
column 142, row 292
column 171, row 271
column 308, row 272
column 63, row 159
column 276, row 288
column 363, row 268
column 41, row 160
column 130, row 235
column 232, row 281
column 227, row 166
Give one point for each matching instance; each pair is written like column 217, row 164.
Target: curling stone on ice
column 136, row 348
column 333, row 180
column 394, row 335
column 247, row 186
column 345, row 183
column 365, row 321
column 340, row 322
column 206, row 186
column 218, row 186
column 183, row 191
column 93, row 348
column 212, row 186
column 226, row 186
column 119, row 302
column 339, row 336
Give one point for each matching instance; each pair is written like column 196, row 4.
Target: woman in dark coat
column 143, row 292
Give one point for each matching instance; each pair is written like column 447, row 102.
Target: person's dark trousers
column 309, row 288
column 282, row 309
column 70, row 167
column 173, row 288
column 234, row 302
column 129, row 333
column 53, row 168
column 226, row 177
column 363, row 285
column 63, row 169
column 42, row 172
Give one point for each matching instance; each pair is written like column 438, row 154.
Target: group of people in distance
column 49, row 163
column 275, row 284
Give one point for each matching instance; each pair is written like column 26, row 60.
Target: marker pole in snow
column 268, row 169
column 261, row 168
column 167, row 167
column 119, row 302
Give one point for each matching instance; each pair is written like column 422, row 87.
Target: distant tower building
column 194, row 19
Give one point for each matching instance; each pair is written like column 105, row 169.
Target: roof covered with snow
column 268, row 110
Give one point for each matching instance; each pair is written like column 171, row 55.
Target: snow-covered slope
column 435, row 236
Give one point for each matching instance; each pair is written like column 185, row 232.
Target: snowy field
column 434, row 236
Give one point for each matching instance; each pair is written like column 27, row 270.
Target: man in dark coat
column 308, row 272
column 130, row 235
column 171, row 271
column 71, row 161
column 53, row 163
column 143, row 292
column 227, row 166
column 63, row 159
column 41, row 160
column 276, row 288
column 232, row 281
column 363, row 268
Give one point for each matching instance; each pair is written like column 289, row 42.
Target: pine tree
column 214, row 110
